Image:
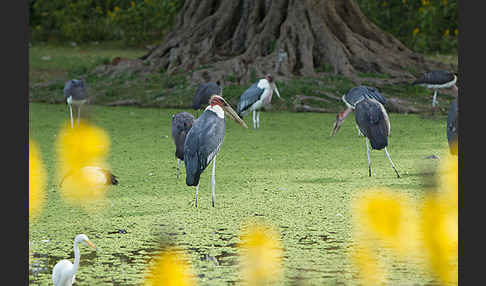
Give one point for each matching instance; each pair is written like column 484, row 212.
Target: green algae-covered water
column 290, row 173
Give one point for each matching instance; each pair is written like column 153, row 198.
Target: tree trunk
column 249, row 38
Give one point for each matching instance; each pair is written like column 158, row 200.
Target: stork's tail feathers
column 192, row 170
column 378, row 138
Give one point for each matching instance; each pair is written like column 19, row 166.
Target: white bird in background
column 64, row 271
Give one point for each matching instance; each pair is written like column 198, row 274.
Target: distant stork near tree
column 436, row 79
column 75, row 94
column 204, row 92
column 204, row 140
column 371, row 118
column 255, row 97
column 452, row 125
column 181, row 124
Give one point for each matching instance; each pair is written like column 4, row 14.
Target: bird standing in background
column 371, row 118
column 75, row 94
column 204, row 92
column 181, row 124
column 255, row 97
column 204, row 140
column 64, row 271
column 436, row 79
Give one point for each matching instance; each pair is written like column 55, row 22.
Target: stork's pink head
column 217, row 100
column 269, row 78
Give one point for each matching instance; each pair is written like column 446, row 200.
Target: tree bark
column 250, row 38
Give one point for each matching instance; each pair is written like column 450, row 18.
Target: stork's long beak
column 337, row 125
column 91, row 244
column 232, row 114
column 276, row 91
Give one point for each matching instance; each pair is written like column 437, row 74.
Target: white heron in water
column 371, row 118
column 255, row 97
column 75, row 94
column 436, row 79
column 64, row 271
column 181, row 124
column 204, row 140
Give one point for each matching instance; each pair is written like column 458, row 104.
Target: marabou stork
column 204, row 140
column 255, row 97
column 436, row 79
column 75, row 94
column 452, row 125
column 371, row 118
column 204, row 92
column 181, row 124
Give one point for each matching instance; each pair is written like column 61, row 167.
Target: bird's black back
column 358, row 93
column 373, row 122
column 202, row 144
column 249, row 96
column 435, row 77
column 75, row 88
column 452, row 127
column 204, row 93
column 181, row 124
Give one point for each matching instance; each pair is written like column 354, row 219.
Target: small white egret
column 64, row 271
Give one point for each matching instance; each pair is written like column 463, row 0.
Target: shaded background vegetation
column 426, row 26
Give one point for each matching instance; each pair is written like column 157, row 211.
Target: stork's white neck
column 216, row 109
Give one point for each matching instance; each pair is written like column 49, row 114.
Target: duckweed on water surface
column 289, row 173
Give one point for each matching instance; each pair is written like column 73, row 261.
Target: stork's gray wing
column 435, row 77
column 249, row 97
column 204, row 93
column 75, row 88
column 452, row 126
column 373, row 122
column 372, row 92
column 202, row 144
column 181, row 124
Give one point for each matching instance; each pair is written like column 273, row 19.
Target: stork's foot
column 369, row 171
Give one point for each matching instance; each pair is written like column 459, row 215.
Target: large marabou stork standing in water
column 436, row 79
column 75, row 94
column 204, row 92
column 255, row 97
column 452, row 125
column 204, row 140
column 181, row 124
column 371, row 118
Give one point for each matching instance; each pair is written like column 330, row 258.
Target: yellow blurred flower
column 387, row 217
column 261, row 254
column 440, row 221
column 370, row 270
column 404, row 1
column 133, row 4
column 37, row 180
column 456, row 32
column 170, row 268
column 415, row 31
column 444, row 2
column 116, row 9
column 446, row 33
column 78, row 149
column 425, row 2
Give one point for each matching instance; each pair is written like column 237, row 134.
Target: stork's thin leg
column 71, row 115
column 197, row 190
column 178, row 167
column 388, row 156
column 258, row 119
column 213, row 180
column 434, row 100
column 359, row 131
column 368, row 153
column 79, row 113
column 254, row 119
